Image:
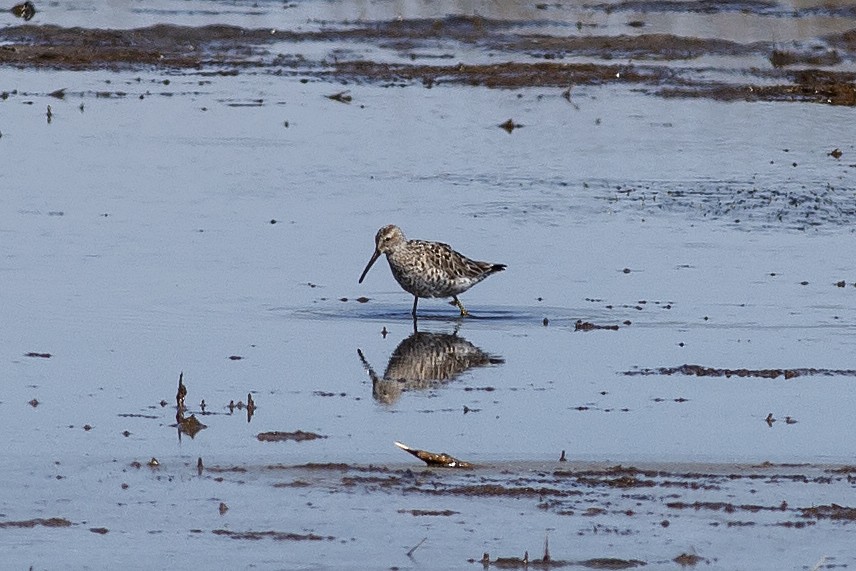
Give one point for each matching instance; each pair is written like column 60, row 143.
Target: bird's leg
column 460, row 306
column 415, row 301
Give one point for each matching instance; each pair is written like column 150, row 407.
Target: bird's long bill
column 375, row 256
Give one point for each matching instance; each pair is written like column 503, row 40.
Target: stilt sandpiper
column 428, row 269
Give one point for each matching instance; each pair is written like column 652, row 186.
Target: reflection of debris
column 25, row 10
column 835, row 153
column 298, row 436
column 34, row 403
column 49, row 114
column 770, row 420
column 223, row 508
column 153, row 463
column 789, row 420
column 199, row 466
column 581, row 325
column 190, row 425
column 341, row 97
column 562, row 458
column 434, row 458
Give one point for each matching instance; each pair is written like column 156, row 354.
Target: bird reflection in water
column 423, row 361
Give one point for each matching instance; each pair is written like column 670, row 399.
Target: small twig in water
column 415, row 547
column 819, row 564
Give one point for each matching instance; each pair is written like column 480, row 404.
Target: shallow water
column 185, row 223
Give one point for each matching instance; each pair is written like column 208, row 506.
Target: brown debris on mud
column 162, row 45
column 831, row 511
column 44, row 522
column 688, row 559
column 34, row 354
column 725, row 506
column 506, row 75
column 546, row 561
column 275, row 535
column 420, row 513
column 657, row 62
column 581, row 325
column 699, row 371
column 297, row 436
column 808, row 85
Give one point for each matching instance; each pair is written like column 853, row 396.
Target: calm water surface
column 178, row 226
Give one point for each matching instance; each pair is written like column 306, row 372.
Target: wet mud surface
column 596, row 500
column 431, row 53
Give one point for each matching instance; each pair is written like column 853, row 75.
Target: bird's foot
column 456, row 302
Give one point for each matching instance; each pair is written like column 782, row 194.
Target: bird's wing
column 454, row 264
